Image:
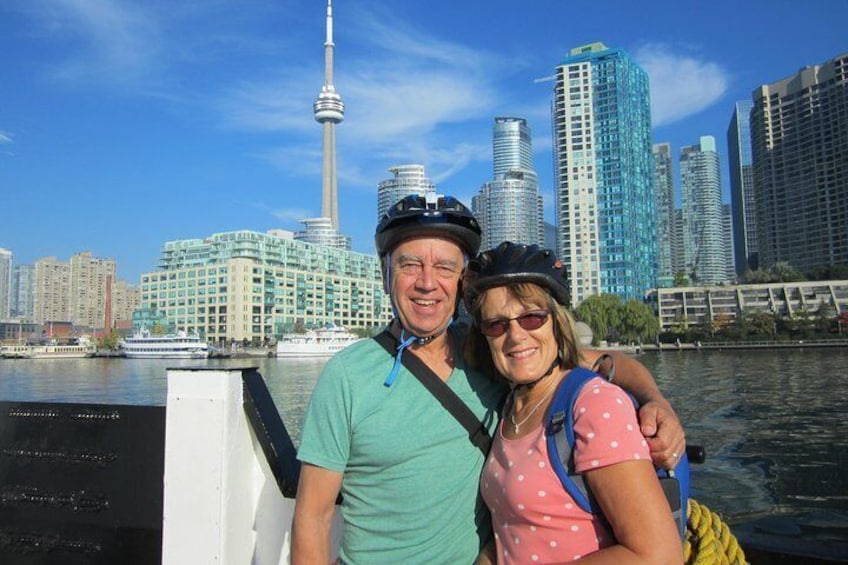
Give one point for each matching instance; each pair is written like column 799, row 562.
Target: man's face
column 425, row 281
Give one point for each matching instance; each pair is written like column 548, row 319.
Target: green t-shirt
column 411, row 475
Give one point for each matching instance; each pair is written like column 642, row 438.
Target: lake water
column 774, row 423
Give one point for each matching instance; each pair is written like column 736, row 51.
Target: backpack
column 559, row 432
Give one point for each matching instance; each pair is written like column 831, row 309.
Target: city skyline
column 130, row 124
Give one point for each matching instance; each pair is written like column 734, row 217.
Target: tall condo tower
column 407, row 180
column 742, row 188
column 700, row 191
column 329, row 111
column 799, row 134
column 509, row 207
column 606, row 232
column 5, row 282
column 664, row 196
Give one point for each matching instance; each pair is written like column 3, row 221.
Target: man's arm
column 657, row 420
column 317, row 492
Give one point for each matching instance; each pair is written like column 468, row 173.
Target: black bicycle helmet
column 417, row 215
column 515, row 263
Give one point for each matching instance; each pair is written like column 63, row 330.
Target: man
column 406, row 468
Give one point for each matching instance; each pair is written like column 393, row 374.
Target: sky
column 128, row 123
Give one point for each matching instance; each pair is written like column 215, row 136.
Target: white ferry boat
column 78, row 349
column 181, row 345
column 315, row 343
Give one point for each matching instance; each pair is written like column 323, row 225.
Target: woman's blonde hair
column 478, row 355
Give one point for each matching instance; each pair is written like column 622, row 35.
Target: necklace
column 517, row 425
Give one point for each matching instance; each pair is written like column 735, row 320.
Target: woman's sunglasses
column 532, row 320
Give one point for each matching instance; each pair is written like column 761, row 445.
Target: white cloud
column 680, row 85
column 5, row 137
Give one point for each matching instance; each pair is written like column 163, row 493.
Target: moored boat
column 181, row 345
column 76, row 349
column 324, row 342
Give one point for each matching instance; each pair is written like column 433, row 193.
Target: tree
column 680, row 279
column 784, row 272
column 637, row 322
column 110, row 340
column 600, row 312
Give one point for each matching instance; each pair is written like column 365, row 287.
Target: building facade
column 5, row 283
column 509, row 207
column 407, row 180
column 664, row 207
column 89, row 278
column 700, row 192
column 52, row 300
column 23, row 292
column 741, row 164
column 320, row 231
column 799, row 134
column 606, row 232
column 689, row 306
column 248, row 285
column 727, row 233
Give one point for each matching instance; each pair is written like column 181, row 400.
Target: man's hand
column 662, row 429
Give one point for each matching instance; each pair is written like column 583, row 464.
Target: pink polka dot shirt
column 534, row 518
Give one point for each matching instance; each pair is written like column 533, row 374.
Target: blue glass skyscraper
column 606, row 231
column 742, row 195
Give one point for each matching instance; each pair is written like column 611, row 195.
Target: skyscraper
column 727, row 232
column 23, row 292
column 5, row 282
column 664, row 206
column 509, row 207
column 407, row 180
column 700, row 190
column 799, row 134
column 742, row 188
column 329, row 111
column 606, row 232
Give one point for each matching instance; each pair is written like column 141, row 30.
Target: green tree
column 680, row 279
column 637, row 323
column 784, row 272
column 600, row 312
column 110, row 340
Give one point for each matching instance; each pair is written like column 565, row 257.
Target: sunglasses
column 531, row 320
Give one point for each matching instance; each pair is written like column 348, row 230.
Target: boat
column 324, row 342
column 77, row 348
column 181, row 345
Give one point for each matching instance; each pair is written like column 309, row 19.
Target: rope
column 709, row 540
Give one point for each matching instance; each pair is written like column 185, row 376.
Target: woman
column 517, row 296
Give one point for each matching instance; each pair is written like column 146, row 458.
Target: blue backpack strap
column 559, row 432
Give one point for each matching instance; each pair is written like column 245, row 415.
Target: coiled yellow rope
column 708, row 539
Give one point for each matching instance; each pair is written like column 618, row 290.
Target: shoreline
column 697, row 346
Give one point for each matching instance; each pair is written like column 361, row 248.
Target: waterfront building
column 690, row 306
column 700, row 191
column 329, row 111
column 509, row 207
column 407, row 181
column 23, row 292
column 799, row 135
column 52, row 290
column 89, row 278
column 5, row 282
column 247, row 285
column 727, row 244
column 320, row 231
column 664, row 207
column 741, row 164
column 604, row 197
column 678, row 253
column 126, row 299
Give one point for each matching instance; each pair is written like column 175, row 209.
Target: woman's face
column 521, row 355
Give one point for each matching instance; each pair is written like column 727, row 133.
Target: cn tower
column 329, row 111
